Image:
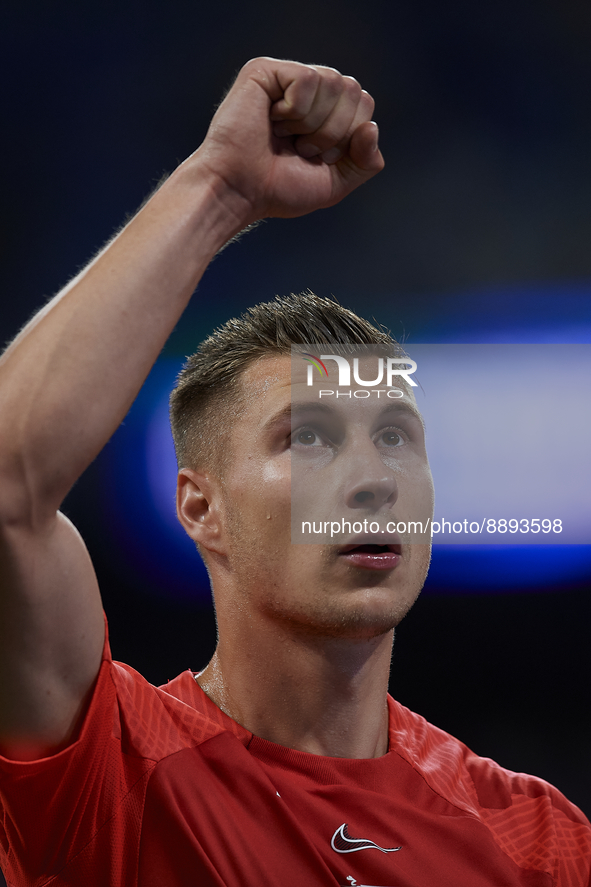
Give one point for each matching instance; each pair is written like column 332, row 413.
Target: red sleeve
column 53, row 808
column 77, row 815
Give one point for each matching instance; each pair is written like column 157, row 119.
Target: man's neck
column 326, row 696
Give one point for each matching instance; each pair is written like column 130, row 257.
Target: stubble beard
column 363, row 608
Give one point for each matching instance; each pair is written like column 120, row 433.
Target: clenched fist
column 290, row 138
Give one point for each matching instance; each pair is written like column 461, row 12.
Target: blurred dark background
column 478, row 229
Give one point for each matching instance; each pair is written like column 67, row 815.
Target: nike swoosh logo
column 342, row 842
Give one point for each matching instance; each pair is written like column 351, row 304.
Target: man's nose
column 372, row 485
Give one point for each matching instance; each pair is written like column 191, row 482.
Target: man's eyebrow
column 314, row 406
column 306, row 406
column 298, row 407
column 406, row 407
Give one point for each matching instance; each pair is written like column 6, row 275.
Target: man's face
column 363, row 462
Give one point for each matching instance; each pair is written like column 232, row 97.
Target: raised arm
column 70, row 376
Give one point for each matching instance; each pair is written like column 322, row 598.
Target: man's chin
column 374, row 616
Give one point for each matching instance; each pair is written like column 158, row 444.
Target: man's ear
column 198, row 508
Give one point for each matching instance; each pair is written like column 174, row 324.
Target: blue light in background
column 509, row 437
column 507, row 568
column 140, row 496
column 543, row 313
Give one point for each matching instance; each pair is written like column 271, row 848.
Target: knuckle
column 367, row 101
column 352, row 86
column 256, row 62
column 327, row 71
column 309, row 74
column 257, row 68
column 332, row 79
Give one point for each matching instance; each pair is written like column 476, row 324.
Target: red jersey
column 162, row 789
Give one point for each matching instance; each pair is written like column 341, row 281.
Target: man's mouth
column 372, row 556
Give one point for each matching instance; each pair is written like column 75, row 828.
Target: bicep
column 51, row 635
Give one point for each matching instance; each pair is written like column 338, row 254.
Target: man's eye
column 308, row 438
column 392, row 438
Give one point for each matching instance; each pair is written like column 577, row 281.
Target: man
column 283, row 762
